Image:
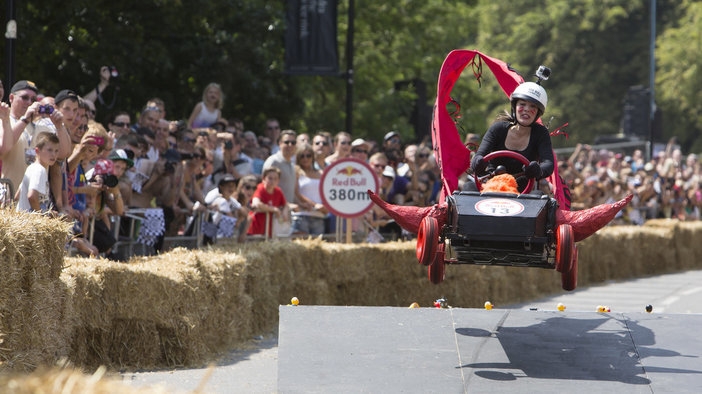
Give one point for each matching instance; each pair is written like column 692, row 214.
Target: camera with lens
column 543, row 73
column 114, row 74
column 169, row 167
column 110, row 181
column 107, row 180
column 46, row 109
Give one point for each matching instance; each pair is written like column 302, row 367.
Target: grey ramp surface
column 389, row 349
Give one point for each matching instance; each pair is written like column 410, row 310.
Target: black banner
column 310, row 38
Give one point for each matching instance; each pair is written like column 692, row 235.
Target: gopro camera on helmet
column 543, row 73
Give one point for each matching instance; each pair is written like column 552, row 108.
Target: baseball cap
column 24, row 85
column 65, row 94
column 389, row 172
column 358, row 142
column 121, row 154
column 390, row 134
column 103, row 167
column 227, row 178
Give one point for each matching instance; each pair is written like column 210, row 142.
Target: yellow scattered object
column 560, row 307
column 488, row 305
column 603, row 308
column 294, row 301
column 414, row 305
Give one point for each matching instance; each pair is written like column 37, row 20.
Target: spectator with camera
column 229, row 159
column 78, row 186
column 105, row 95
column 24, row 110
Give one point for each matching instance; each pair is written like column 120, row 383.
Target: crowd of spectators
column 245, row 184
column 665, row 186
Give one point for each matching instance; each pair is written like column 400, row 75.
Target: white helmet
column 532, row 92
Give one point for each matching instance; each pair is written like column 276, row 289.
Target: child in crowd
column 268, row 199
column 227, row 208
column 34, row 189
column 208, row 111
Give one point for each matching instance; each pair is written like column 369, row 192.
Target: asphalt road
column 255, row 370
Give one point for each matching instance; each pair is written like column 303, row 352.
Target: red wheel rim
column 564, row 247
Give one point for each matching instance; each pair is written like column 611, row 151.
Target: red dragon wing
column 453, row 157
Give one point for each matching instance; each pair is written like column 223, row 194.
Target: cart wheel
column 427, row 240
column 437, row 269
column 569, row 279
column 564, row 247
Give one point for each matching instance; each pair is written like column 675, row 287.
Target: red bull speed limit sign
column 344, row 187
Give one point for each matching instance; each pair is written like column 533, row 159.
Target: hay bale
column 175, row 309
column 32, row 299
column 187, row 307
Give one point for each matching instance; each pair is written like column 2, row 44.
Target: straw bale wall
column 187, row 307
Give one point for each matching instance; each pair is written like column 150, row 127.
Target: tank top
column 206, row 117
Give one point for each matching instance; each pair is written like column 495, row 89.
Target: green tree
column 165, row 48
column 679, row 77
column 596, row 51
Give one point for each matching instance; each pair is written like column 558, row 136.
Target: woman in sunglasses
column 308, row 221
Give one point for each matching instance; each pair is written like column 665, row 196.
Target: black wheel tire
column 437, row 269
column 569, row 279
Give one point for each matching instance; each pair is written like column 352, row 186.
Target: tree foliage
column 173, row 48
column 679, row 78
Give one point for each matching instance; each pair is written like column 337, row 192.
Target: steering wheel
column 510, row 155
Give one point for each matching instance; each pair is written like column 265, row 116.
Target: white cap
column 389, row 172
column 359, row 142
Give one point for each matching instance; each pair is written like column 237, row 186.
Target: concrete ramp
column 427, row 350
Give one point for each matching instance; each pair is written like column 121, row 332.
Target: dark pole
column 11, row 36
column 652, row 78
column 349, row 70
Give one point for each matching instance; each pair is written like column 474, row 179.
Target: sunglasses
column 344, row 142
column 121, row 124
column 290, row 142
column 423, row 155
column 306, row 156
column 27, row 97
column 359, row 151
column 83, row 127
column 323, row 143
column 250, row 187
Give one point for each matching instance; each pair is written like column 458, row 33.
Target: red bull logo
column 349, row 171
